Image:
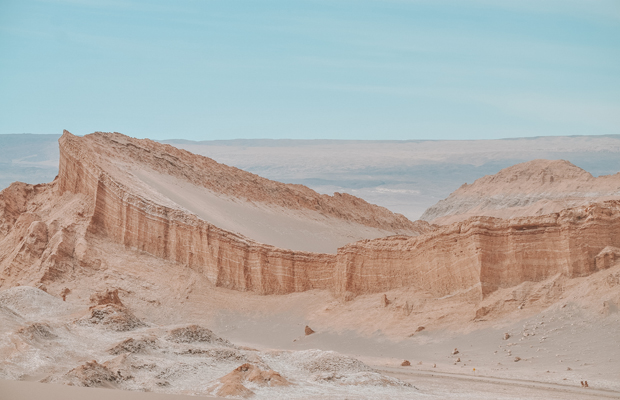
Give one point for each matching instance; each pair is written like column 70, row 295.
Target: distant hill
column 535, row 187
column 28, row 158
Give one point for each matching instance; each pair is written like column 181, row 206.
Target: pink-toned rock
column 482, row 254
column 232, row 384
column 106, row 297
column 47, row 231
column 531, row 188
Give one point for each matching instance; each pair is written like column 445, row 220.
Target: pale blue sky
column 311, row 69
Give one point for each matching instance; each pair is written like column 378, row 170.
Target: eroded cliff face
column 226, row 259
column 39, row 233
column 483, row 254
column 49, row 233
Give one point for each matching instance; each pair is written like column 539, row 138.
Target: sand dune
column 305, row 230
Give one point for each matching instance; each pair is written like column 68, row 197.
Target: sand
column 21, row 390
column 572, row 333
column 303, row 230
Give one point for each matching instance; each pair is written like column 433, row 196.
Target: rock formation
column 163, row 201
column 532, row 188
column 232, row 383
column 125, row 208
column 482, row 254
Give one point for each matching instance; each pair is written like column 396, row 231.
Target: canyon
column 179, row 237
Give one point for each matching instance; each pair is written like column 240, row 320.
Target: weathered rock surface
column 232, row 383
column 130, row 212
column 532, row 188
column 482, row 254
column 113, row 317
column 195, row 333
column 108, row 189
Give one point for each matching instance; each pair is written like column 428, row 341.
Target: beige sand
column 23, row 390
column 303, row 230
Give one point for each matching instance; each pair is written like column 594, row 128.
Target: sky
column 336, row 69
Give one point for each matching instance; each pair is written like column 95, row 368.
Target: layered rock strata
column 92, row 165
column 46, row 231
column 483, row 254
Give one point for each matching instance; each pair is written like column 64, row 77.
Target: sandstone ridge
column 483, row 254
column 110, row 189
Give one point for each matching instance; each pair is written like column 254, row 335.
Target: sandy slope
column 304, row 230
column 283, row 215
column 558, row 345
column 574, row 328
column 23, row 390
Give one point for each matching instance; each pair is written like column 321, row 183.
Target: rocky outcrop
column 88, row 162
column 139, row 219
column 47, row 231
column 532, row 188
column 483, row 254
column 232, row 383
column 608, row 257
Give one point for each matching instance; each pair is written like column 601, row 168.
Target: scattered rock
column 455, row 351
column 107, row 297
column 405, row 363
column 218, row 354
column 232, row 383
column 89, row 374
column 132, row 345
column 458, row 360
column 308, row 330
column 612, row 280
column 517, row 359
column 420, row 329
column 195, row 333
column 64, row 293
column 506, row 336
column 384, row 301
column 113, row 317
column 348, row 296
column 37, row 331
column 481, row 312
